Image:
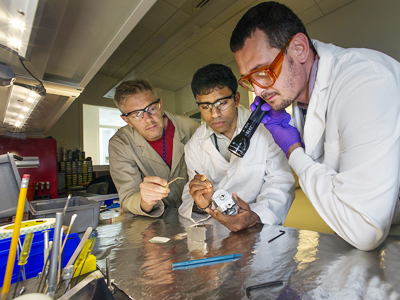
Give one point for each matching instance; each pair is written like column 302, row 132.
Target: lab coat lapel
column 178, row 148
column 209, row 148
column 314, row 126
column 151, row 157
column 298, row 119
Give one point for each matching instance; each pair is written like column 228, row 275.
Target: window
column 99, row 125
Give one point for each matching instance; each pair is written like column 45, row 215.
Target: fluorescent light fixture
column 16, row 22
column 22, row 101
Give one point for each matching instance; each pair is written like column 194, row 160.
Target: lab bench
column 311, row 265
column 307, row 264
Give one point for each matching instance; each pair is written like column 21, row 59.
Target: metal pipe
column 54, row 255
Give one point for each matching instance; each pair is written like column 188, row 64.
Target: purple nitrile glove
column 277, row 122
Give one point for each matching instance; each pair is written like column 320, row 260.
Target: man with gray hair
column 148, row 152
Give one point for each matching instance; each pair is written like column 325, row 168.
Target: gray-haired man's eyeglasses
column 138, row 114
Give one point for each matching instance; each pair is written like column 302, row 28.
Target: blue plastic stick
column 205, row 260
column 205, row 264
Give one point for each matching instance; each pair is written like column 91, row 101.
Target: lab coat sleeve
column 359, row 199
column 127, row 178
column 277, row 192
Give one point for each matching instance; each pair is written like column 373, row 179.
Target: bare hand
column 152, row 190
column 245, row 217
column 201, row 190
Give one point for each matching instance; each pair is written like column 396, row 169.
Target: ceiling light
column 17, row 24
column 20, row 93
column 14, row 43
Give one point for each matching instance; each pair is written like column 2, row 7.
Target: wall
column 186, row 102
column 90, row 130
column 363, row 23
column 168, row 99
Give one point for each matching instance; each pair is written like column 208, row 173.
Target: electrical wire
column 21, row 60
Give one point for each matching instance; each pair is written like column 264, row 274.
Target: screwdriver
column 23, row 259
column 87, row 249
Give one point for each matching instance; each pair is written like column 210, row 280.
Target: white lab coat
column 262, row 177
column 351, row 163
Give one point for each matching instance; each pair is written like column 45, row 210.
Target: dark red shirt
column 169, row 141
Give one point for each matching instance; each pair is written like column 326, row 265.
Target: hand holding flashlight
column 277, row 122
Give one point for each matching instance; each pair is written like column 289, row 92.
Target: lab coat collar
column 208, row 145
column 155, row 160
column 314, row 126
column 178, row 145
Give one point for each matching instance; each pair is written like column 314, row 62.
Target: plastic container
column 36, row 257
column 10, row 183
column 88, row 211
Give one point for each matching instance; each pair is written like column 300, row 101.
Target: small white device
column 224, row 202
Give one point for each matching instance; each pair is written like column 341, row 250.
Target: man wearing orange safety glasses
column 343, row 141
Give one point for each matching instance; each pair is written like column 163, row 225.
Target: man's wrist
column 204, row 209
column 292, row 148
column 146, row 207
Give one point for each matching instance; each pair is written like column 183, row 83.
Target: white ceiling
column 174, row 39
column 125, row 39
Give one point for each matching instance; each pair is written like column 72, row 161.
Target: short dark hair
column 132, row 87
column 213, row 76
column 276, row 20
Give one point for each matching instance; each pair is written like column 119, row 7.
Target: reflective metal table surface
column 311, row 265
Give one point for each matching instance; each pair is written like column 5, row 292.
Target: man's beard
column 290, row 83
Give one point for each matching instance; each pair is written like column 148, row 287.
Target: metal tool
column 45, row 271
column 108, row 272
column 177, row 178
column 66, row 236
column 281, row 233
column 208, row 183
column 54, row 255
column 46, row 244
column 66, row 207
column 23, row 259
column 262, row 285
column 68, row 271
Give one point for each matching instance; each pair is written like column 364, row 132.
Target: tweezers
column 206, row 181
column 167, row 185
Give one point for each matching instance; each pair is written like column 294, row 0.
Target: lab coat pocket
column 332, row 155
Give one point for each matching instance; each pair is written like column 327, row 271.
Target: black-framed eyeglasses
column 138, row 114
column 220, row 104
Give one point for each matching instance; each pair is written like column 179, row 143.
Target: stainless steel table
column 312, row 265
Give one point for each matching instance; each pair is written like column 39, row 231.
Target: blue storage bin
column 36, row 257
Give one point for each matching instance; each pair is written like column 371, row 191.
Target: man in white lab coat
column 345, row 146
column 261, row 182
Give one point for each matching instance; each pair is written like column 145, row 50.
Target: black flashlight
column 241, row 142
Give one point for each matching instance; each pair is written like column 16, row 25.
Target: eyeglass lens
column 220, row 105
column 265, row 77
column 151, row 110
